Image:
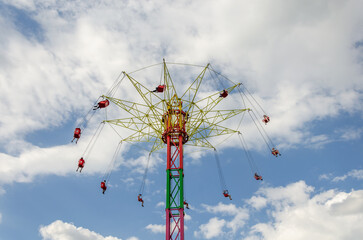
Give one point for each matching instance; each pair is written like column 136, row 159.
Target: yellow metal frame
column 202, row 120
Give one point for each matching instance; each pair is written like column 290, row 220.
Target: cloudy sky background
column 302, row 60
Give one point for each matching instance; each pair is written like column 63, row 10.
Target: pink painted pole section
column 181, row 216
column 167, row 211
column 168, row 152
column 167, row 232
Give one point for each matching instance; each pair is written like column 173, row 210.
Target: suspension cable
column 220, row 173
column 141, row 189
column 259, row 130
column 161, row 75
column 153, row 65
column 122, row 139
column 255, row 100
column 108, row 171
column 219, row 74
column 87, row 117
column 114, row 87
column 93, row 140
column 261, row 127
column 214, row 76
column 250, row 160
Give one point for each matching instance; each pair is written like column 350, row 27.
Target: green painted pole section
column 181, row 188
column 168, row 188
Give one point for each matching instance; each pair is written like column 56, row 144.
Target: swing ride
column 162, row 118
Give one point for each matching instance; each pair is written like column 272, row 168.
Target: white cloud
column 228, row 209
column 160, row 228
column 139, row 164
column 59, row 160
column 156, row 228
column 325, row 176
column 187, row 217
column 295, row 211
column 355, row 173
column 2, row 191
column 1, row 218
column 257, row 202
column 59, row 230
column 282, row 197
column 160, row 204
column 327, row 215
column 351, row 134
column 211, row 229
column 26, row 4
column 240, row 215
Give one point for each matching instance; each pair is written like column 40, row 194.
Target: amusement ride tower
column 164, row 119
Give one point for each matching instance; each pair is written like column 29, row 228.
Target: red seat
column 103, row 103
column 224, row 94
column 160, row 88
column 77, row 133
column 81, row 163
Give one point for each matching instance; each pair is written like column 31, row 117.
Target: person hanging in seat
column 226, row 194
column 258, row 177
column 80, row 164
column 159, row 89
column 139, row 198
column 101, row 104
column 224, row 94
column 186, row 204
column 265, row 119
column 103, row 186
column 275, row 152
column 77, row 134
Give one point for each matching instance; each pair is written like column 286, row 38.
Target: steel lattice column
column 174, row 189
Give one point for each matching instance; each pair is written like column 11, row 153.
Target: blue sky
column 302, row 61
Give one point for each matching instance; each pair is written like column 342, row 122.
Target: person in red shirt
column 80, row 164
column 103, row 186
column 186, row 204
column 275, row 152
column 101, row 104
column 159, row 89
column 139, row 198
column 226, row 194
column 224, row 93
column 77, row 134
column 258, row 177
column 265, row 119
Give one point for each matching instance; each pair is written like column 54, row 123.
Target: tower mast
column 174, row 136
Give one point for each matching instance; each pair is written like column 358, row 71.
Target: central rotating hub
column 174, row 121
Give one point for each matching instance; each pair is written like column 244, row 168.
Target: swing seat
column 81, row 163
column 77, row 133
column 224, row 94
column 103, row 103
column 160, row 88
column 265, row 119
